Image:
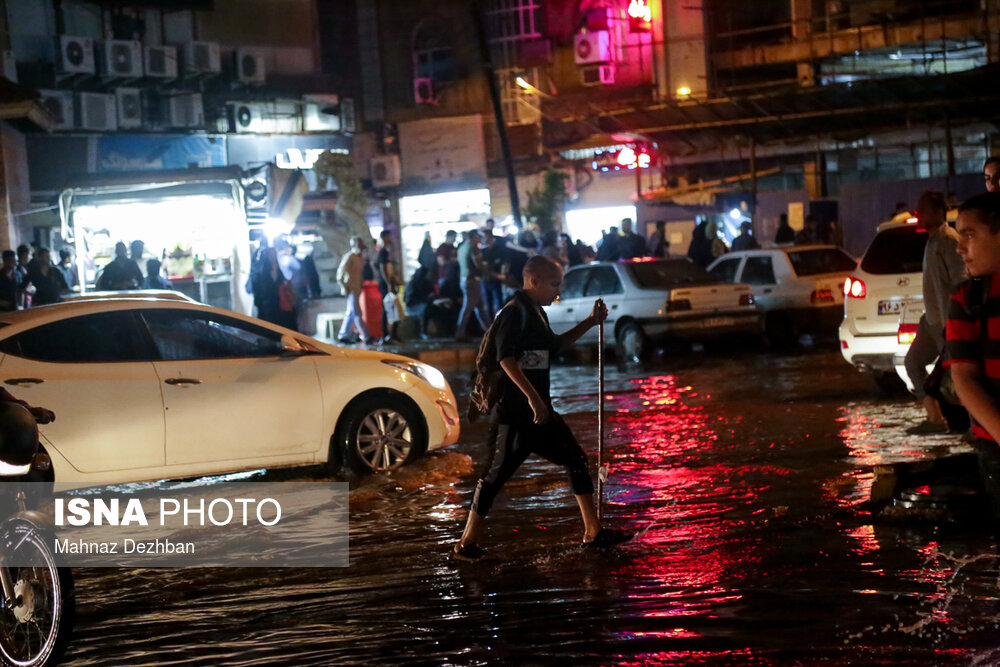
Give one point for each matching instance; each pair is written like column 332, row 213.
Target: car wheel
column 381, row 433
column 631, row 341
column 888, row 382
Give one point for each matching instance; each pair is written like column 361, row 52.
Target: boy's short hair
column 995, row 159
column 9, row 254
column 153, row 267
column 935, row 199
column 986, row 207
column 540, row 264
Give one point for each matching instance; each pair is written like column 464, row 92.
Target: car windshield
column 669, row 273
column 823, row 260
column 896, row 250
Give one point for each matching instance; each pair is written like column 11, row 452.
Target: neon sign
column 639, row 15
column 625, row 157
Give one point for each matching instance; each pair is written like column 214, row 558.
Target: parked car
column 129, row 294
column 800, row 289
column 147, row 389
column 889, row 276
column 653, row 300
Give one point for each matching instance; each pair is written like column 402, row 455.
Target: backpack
column 488, row 376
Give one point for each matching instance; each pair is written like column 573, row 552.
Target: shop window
column 433, row 55
column 186, row 335
column 726, row 270
column 758, row 271
column 98, row 338
column 603, row 280
column 572, row 287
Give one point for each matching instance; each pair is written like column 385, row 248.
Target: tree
column 545, row 203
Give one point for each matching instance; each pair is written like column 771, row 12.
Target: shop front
column 193, row 221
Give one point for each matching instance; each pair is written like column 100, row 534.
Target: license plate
column 718, row 322
column 890, row 307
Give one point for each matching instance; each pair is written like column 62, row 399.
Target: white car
column 889, row 276
column 800, row 289
column 172, row 295
column 654, row 299
column 150, row 389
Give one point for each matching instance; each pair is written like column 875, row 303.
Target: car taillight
column 906, row 333
column 746, row 299
column 821, row 296
column 678, row 304
column 854, row 288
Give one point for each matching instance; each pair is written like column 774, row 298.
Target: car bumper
column 868, row 352
column 817, row 318
column 441, row 411
column 702, row 325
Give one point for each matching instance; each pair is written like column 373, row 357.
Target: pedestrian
column 494, row 273
column 349, row 277
column 446, row 253
column 273, row 293
column 46, row 279
column 701, row 250
column 425, row 257
column 135, row 251
column 523, row 422
column 154, row 275
column 423, row 303
column 573, row 256
column 631, row 244
column 991, row 174
column 972, row 345
column 551, row 247
column 785, row 233
column 470, row 274
column 746, row 240
column 10, row 281
column 68, row 269
column 657, row 245
column 809, row 233
column 942, row 272
column 121, row 273
column 388, row 283
column 607, row 249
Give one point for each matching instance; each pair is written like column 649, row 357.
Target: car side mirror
column 290, row 347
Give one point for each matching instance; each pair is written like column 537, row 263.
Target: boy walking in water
column 523, row 419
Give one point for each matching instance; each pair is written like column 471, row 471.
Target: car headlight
column 428, row 374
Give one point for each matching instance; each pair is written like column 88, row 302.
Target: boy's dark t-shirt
column 533, row 344
column 974, row 302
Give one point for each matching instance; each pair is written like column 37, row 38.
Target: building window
column 433, row 55
column 509, row 22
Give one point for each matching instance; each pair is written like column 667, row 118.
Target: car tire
column 888, row 382
column 631, row 341
column 381, row 432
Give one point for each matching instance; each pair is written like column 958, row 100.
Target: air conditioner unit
column 160, row 62
column 423, row 90
column 592, row 47
column 8, row 67
column 185, row 110
column 76, row 55
column 129, row 105
column 246, row 117
column 60, row 104
column 317, row 120
column 249, row 67
column 120, row 59
column 96, row 112
column 385, row 171
column 201, row 58
column 598, row 75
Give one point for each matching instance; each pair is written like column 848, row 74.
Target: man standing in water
column 523, row 420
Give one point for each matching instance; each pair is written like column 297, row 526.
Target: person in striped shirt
column 973, row 332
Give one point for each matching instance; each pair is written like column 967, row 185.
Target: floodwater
column 745, row 479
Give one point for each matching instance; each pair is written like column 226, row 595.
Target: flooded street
column 744, row 478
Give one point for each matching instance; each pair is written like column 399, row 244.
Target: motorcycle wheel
column 35, row 631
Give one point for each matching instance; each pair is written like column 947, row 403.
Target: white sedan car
column 800, row 289
column 150, row 389
column 651, row 299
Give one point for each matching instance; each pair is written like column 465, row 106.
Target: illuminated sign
column 298, row 158
column 639, row 16
column 624, row 157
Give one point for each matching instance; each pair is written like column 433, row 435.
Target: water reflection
column 744, row 478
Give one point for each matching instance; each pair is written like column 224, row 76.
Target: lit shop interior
column 197, row 229
column 436, row 214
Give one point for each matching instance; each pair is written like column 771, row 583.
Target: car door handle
column 182, row 381
column 569, row 310
column 18, row 381
column 767, row 291
column 614, row 306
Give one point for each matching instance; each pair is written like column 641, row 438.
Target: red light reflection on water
column 662, row 478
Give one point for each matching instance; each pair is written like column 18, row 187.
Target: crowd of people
column 280, row 282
